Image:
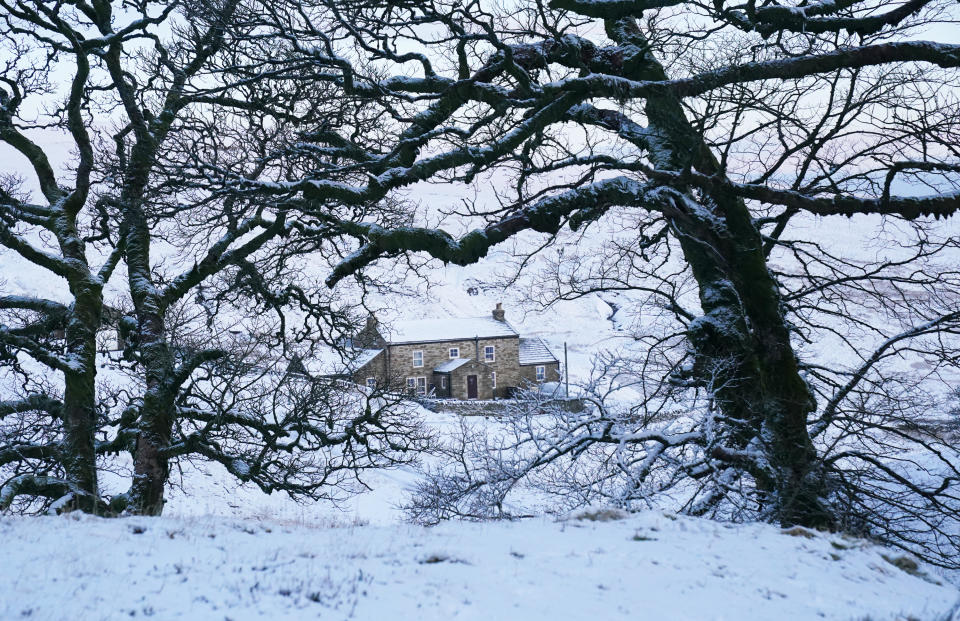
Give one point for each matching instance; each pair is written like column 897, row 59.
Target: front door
column 471, row 387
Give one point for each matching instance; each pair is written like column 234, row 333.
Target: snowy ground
column 225, row 551
column 647, row 566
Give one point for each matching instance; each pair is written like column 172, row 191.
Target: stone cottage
column 469, row 358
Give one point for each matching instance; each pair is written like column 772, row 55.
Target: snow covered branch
column 817, row 17
column 37, row 351
column 31, row 403
column 910, row 207
column 34, row 485
column 546, row 216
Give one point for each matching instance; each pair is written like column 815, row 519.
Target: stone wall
column 501, row 407
column 485, row 390
column 528, row 372
column 393, row 367
column 376, row 368
column 506, row 363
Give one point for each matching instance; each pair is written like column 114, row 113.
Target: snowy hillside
column 737, row 228
column 594, row 565
column 229, row 551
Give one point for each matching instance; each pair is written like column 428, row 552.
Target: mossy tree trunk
column 742, row 342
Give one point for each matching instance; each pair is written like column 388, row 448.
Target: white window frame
column 489, row 356
column 541, row 371
column 371, row 382
column 422, row 386
column 415, row 365
column 454, row 353
column 493, row 380
column 443, row 382
column 411, row 385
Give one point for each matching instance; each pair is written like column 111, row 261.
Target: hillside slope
column 596, row 565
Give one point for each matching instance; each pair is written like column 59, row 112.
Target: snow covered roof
column 435, row 330
column 451, row 365
column 364, row 356
column 328, row 361
column 535, row 351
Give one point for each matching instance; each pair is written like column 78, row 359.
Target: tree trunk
column 741, row 343
column 79, row 398
column 151, row 467
column 79, row 424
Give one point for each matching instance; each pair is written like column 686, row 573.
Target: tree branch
column 30, row 404
column 546, row 216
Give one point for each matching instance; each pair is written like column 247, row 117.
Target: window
column 418, row 358
column 371, row 382
column 488, row 354
column 454, row 352
column 443, row 382
column 493, row 380
column 417, row 386
column 541, row 373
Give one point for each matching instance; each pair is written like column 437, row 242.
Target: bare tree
column 718, row 131
column 152, row 109
column 28, row 73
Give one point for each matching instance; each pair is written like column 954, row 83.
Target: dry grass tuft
column 600, row 515
column 800, row 531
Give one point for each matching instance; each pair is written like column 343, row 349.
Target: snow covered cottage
column 469, row 358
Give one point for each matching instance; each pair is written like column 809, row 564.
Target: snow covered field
column 646, row 566
column 225, row 551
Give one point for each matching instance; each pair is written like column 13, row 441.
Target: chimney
column 498, row 313
column 370, row 336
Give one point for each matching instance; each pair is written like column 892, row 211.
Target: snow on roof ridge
column 453, row 328
column 364, row 356
column 451, row 365
column 323, row 361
